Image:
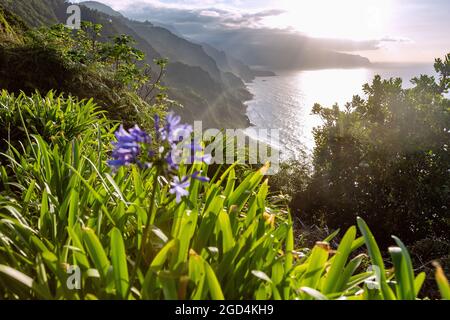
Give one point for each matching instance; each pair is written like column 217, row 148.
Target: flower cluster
column 171, row 145
column 127, row 149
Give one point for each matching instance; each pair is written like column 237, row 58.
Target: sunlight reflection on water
column 285, row 102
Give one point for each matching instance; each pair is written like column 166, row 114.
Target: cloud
column 425, row 22
column 230, row 25
column 254, row 20
column 173, row 4
column 208, row 17
column 396, row 39
column 219, row 20
column 245, row 31
column 209, row 13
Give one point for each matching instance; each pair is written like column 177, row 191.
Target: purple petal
column 197, row 176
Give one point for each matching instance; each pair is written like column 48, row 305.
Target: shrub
column 56, row 118
column 385, row 158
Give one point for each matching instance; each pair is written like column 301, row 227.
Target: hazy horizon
column 382, row 31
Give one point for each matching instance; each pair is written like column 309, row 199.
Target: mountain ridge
column 259, row 46
column 230, row 64
column 230, row 112
column 206, row 57
column 180, row 51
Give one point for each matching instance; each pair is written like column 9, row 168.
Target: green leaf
column 442, row 282
column 213, row 283
column 418, row 282
column 407, row 271
column 224, row 226
column 352, row 266
column 242, row 193
column 313, row 293
column 332, row 236
column 339, row 261
column 119, row 262
column 316, row 266
column 377, row 259
column 197, row 274
column 187, row 229
column 208, row 222
column 26, row 281
column 79, row 254
column 261, row 275
column 230, row 183
column 400, row 274
column 73, row 207
column 96, row 252
column 163, row 255
column 29, row 193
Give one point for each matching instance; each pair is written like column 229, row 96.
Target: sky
column 381, row 30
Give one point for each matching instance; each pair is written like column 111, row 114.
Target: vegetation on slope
column 132, row 238
column 147, row 232
column 193, row 77
column 11, row 27
column 385, row 158
column 36, row 13
column 227, row 102
column 80, row 65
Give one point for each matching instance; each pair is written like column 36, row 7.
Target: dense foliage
column 11, row 27
column 36, row 12
column 78, row 63
column 386, row 158
column 61, row 205
column 193, row 78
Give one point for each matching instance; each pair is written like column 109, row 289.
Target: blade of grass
column 119, row 262
column 377, row 259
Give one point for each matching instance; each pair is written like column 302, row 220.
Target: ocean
column 284, row 102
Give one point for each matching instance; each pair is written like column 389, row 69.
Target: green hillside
column 179, row 77
column 100, row 198
column 11, row 27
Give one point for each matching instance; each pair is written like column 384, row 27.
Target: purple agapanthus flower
column 179, row 187
column 166, row 151
column 174, row 132
column 123, row 135
column 197, row 153
column 195, row 146
column 126, row 149
column 140, row 135
column 172, row 159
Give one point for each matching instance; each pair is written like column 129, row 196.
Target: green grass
column 60, row 205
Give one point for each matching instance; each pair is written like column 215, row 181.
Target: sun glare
column 349, row 19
